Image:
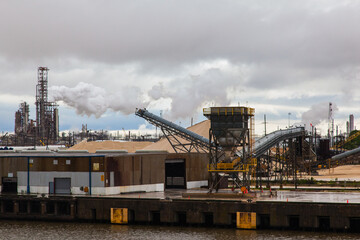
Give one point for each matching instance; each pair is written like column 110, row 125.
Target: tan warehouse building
column 76, row 172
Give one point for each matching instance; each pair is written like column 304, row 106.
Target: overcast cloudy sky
column 108, row 57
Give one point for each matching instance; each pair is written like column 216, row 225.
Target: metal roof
column 47, row 154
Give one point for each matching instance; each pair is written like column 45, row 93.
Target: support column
column 90, row 175
column 16, row 207
column 56, row 209
column 28, row 207
column 72, row 209
column 43, row 208
column 28, row 176
column 194, row 217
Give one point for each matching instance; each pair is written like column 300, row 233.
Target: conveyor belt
column 261, row 145
column 346, row 154
column 265, row 143
column 173, row 128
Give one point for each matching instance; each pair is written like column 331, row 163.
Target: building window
column 55, row 162
column 68, row 161
column 96, row 166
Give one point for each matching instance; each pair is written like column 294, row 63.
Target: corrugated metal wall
column 118, row 170
column 137, row 169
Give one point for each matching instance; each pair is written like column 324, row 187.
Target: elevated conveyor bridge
column 265, row 143
column 175, row 133
column 195, row 141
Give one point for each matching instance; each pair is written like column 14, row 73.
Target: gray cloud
column 169, row 31
column 189, row 94
column 291, row 50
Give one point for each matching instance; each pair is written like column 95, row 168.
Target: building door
column 175, row 173
column 62, row 185
column 9, row 185
column 51, row 188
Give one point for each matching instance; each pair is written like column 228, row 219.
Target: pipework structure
column 44, row 130
column 22, row 119
column 47, row 115
column 230, row 154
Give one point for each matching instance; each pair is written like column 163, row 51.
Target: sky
column 286, row 59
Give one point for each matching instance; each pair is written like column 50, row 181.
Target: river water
column 59, row 230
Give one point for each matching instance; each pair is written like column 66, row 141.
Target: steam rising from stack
column 317, row 113
column 196, row 91
column 187, row 95
column 89, row 100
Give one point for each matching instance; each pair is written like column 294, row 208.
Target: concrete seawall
column 194, row 212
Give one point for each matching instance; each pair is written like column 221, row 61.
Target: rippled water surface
column 59, row 230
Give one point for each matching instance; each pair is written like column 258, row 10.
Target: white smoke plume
column 89, row 100
column 318, row 113
column 189, row 94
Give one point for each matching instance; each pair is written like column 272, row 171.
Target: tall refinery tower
column 47, row 115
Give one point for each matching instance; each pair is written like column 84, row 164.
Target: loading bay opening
column 9, row 185
column 175, row 173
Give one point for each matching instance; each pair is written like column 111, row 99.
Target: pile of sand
column 201, row 129
column 346, row 172
column 91, row 147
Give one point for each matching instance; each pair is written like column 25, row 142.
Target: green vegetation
column 355, row 143
column 309, row 181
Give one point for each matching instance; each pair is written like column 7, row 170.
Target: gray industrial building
column 46, row 172
column 351, row 123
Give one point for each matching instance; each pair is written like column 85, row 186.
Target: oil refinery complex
column 226, row 177
column 45, row 129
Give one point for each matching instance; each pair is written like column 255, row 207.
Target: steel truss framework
column 239, row 170
column 46, row 112
column 286, row 161
column 174, row 139
column 231, row 158
column 280, row 159
column 176, row 134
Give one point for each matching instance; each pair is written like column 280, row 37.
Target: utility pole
column 315, row 141
column 265, row 123
column 330, row 124
column 312, row 134
column 289, row 119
